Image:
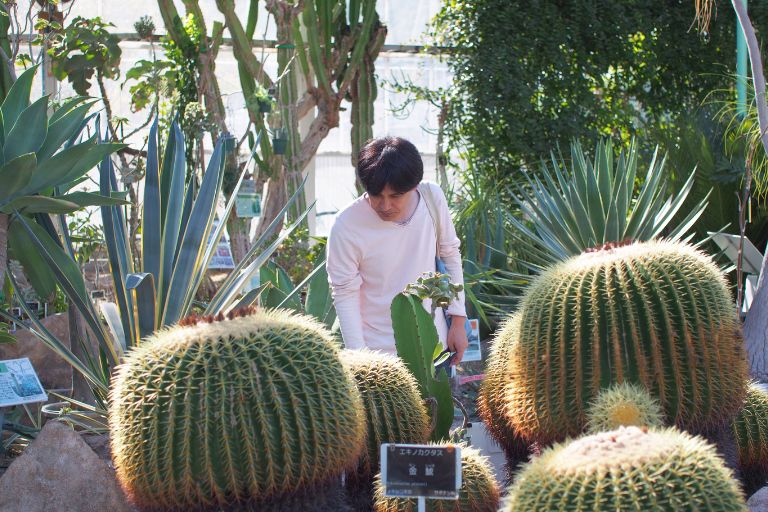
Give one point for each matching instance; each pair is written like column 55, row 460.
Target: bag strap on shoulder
column 429, row 201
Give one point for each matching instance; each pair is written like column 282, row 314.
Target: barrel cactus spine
column 395, row 412
column 627, row 469
column 750, row 430
column 234, row 413
column 658, row 314
column 623, row 405
column 479, row 490
column 491, row 396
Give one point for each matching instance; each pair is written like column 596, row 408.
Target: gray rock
column 758, row 502
column 60, row 472
column 99, row 443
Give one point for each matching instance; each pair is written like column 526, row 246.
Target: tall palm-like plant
column 569, row 207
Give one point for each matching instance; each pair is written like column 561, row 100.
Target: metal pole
column 742, row 57
column 422, row 504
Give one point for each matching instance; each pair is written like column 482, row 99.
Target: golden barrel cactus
column 658, row 314
column 237, row 413
column 627, row 469
column 395, row 412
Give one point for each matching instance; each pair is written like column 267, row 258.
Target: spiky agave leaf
column 572, row 206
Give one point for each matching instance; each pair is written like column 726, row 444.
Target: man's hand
column 457, row 338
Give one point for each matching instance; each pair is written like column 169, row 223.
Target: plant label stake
column 421, row 471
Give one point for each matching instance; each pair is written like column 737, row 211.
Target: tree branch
column 756, row 323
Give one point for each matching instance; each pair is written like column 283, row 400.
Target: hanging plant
column 280, row 141
column 263, row 99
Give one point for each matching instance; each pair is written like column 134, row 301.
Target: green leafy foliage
column 178, row 242
column 84, row 48
column 41, row 160
column 436, row 287
column 151, row 77
column 311, row 296
column 526, row 80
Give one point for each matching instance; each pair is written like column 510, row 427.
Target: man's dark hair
column 391, row 161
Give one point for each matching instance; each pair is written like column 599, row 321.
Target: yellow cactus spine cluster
column 623, row 405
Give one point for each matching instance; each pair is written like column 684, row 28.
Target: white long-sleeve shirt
column 370, row 260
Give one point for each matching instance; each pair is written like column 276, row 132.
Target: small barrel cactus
column 479, row 490
column 234, row 413
column 658, row 314
column 491, row 397
column 750, row 429
column 394, row 409
column 623, row 405
column 627, row 469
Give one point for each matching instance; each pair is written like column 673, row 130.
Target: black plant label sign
column 429, row 471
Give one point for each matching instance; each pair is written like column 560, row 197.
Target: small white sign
column 473, row 352
column 222, row 258
column 19, row 383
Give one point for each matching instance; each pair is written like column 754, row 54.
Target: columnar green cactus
column 479, row 490
column 491, row 397
column 750, row 429
column 655, row 313
column 627, row 469
column 623, row 405
column 229, row 413
column 394, row 409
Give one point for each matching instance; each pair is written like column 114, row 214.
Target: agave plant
column 178, row 242
column 280, row 292
column 571, row 208
column 40, row 162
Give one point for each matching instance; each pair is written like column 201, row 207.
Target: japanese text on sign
column 421, row 471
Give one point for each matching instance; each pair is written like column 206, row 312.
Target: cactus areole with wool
column 235, row 412
column 654, row 313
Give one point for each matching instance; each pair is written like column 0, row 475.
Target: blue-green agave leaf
column 28, row 135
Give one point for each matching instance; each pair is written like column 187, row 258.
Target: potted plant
column 264, row 100
column 280, row 141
